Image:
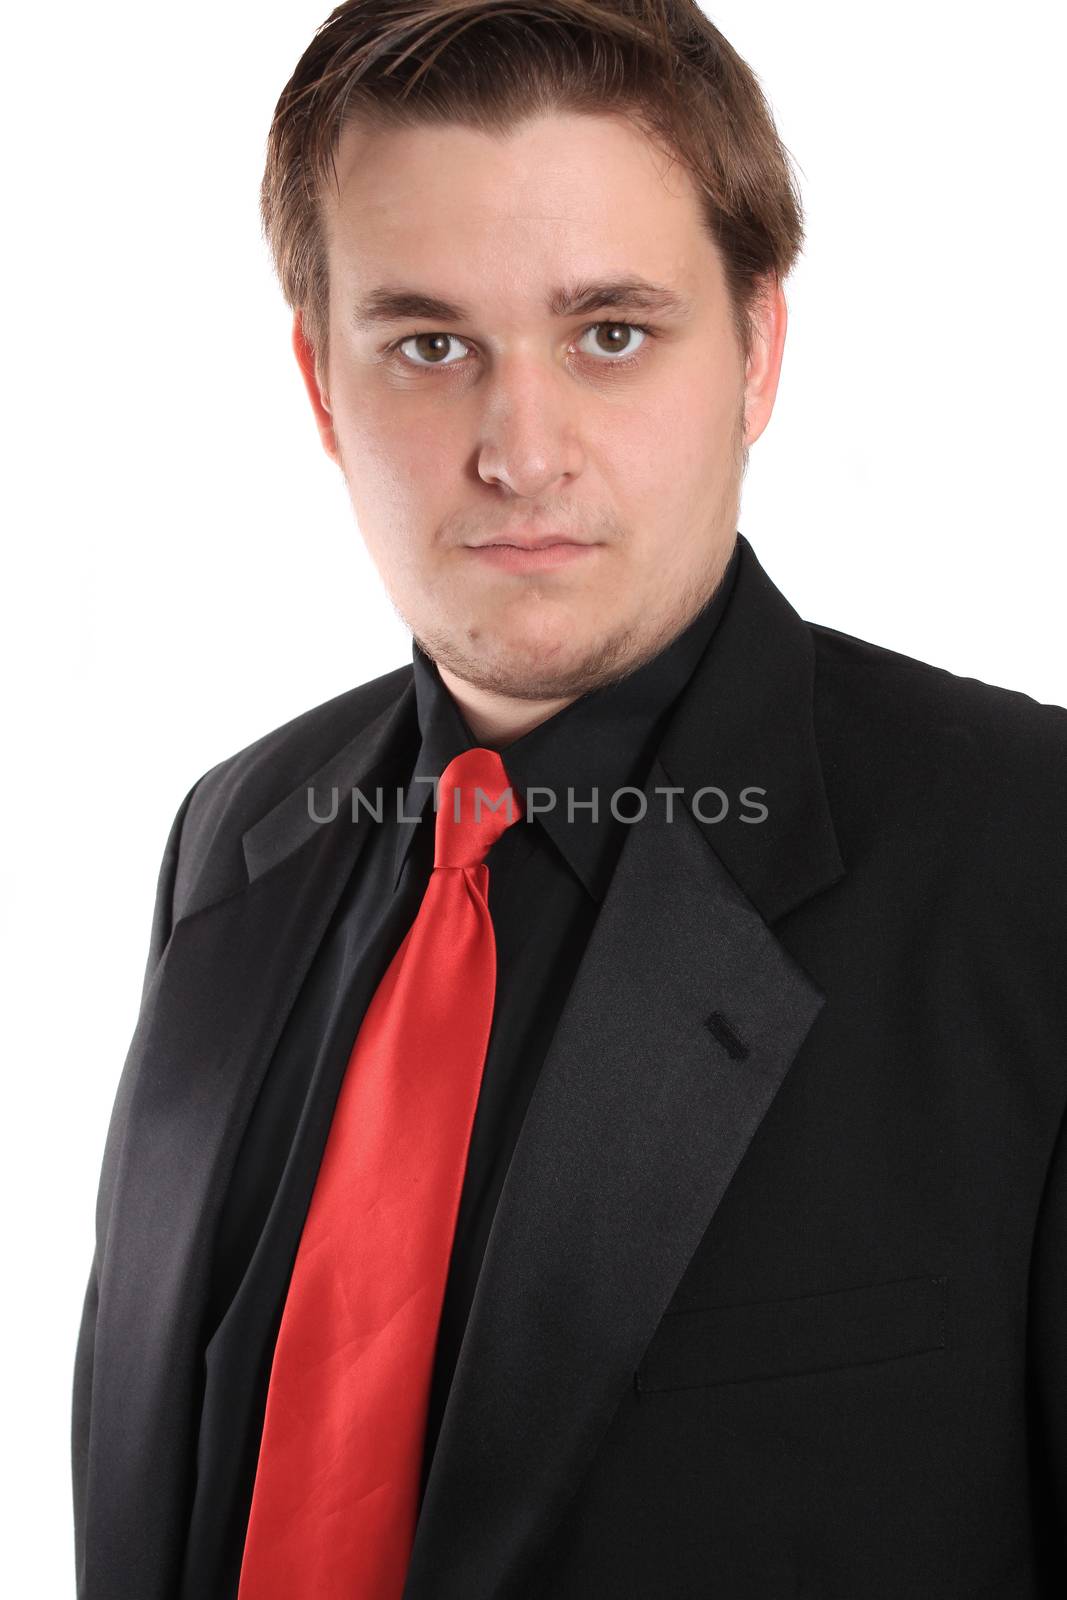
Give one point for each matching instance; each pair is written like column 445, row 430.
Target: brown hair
column 489, row 64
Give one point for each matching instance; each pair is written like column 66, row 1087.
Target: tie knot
column 475, row 805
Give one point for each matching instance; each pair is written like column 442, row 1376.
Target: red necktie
column 336, row 1491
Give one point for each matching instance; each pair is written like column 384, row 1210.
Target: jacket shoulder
column 917, row 701
column 948, row 766
column 238, row 790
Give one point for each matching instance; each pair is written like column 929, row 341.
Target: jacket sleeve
column 1048, row 1356
column 81, row 1414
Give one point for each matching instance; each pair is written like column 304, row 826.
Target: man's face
column 514, row 414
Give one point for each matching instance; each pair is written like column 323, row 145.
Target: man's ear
column 305, row 356
column 769, row 320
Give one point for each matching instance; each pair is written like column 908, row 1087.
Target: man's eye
column 613, row 344
column 615, row 339
column 431, row 348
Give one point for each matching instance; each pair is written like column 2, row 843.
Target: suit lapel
column 685, row 1015
column 211, row 1017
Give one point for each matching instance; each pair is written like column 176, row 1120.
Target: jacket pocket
column 806, row 1333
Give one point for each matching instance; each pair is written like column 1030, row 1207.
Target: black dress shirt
column 548, row 875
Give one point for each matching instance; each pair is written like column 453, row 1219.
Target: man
column 658, row 1187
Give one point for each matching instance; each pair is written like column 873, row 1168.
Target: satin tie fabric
column 335, row 1499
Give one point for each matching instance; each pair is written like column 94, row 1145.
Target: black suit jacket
column 775, row 1299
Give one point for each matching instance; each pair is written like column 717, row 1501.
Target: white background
column 184, row 573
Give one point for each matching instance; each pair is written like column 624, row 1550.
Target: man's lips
column 528, row 541
column 532, row 555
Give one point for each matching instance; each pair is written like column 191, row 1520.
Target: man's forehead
column 578, row 239
column 553, row 167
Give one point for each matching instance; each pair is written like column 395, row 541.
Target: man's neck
column 494, row 719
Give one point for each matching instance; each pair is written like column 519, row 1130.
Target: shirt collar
column 600, row 743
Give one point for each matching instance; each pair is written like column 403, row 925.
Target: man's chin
column 537, row 668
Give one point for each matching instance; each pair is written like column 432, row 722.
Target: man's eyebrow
column 396, row 303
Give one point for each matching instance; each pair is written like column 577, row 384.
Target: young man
column 644, row 1174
